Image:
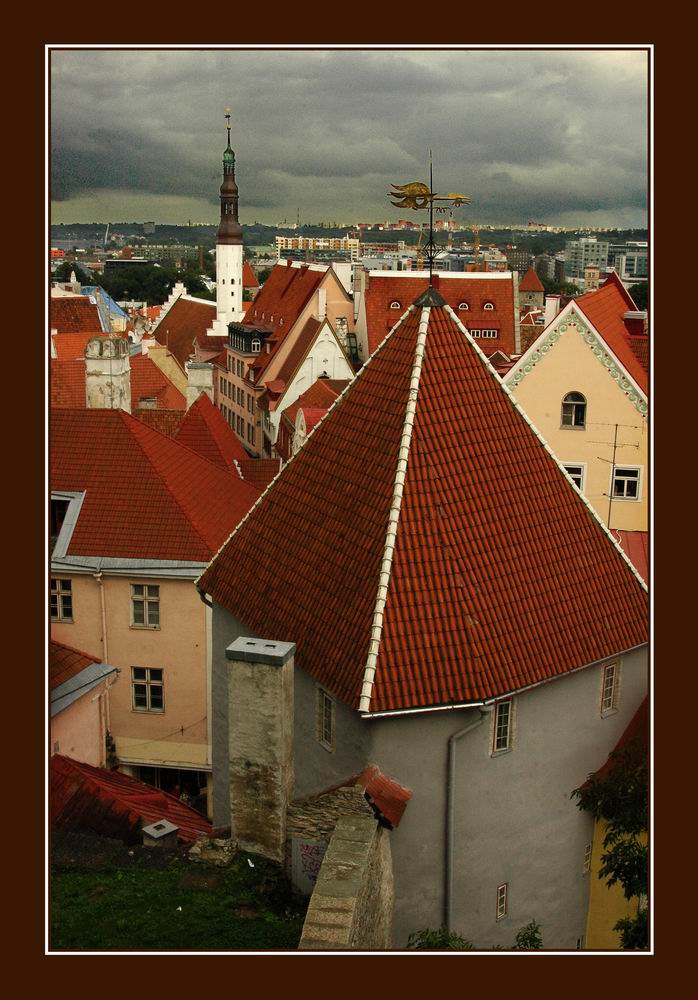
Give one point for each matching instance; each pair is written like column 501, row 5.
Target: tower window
column 256, row 345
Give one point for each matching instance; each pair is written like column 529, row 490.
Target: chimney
column 108, row 374
column 322, row 303
column 260, row 743
column 199, row 380
column 552, row 308
column 636, row 323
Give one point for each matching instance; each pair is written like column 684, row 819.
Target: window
column 587, row 859
column 488, row 305
column 502, row 727
column 576, row 474
column 475, row 333
column 610, row 688
column 147, row 689
column 502, row 900
column 395, row 305
column 325, row 719
column 489, row 334
column 574, row 410
column 256, row 345
column 625, row 484
column 61, row 600
column 145, row 605
column 463, row 306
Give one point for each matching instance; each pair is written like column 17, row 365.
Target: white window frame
column 146, row 599
column 326, row 720
column 574, row 402
column 582, row 466
column 150, row 684
column 610, row 687
column 502, row 908
column 626, row 468
column 463, row 307
column 489, row 306
column 256, row 345
column 509, row 703
column 60, row 593
column 395, row 305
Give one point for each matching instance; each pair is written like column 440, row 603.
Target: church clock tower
column 229, row 253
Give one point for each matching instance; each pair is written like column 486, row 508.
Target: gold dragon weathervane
column 417, row 196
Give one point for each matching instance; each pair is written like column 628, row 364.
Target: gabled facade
column 80, row 709
column 459, row 613
column 582, row 385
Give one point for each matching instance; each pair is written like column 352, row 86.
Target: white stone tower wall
column 229, row 262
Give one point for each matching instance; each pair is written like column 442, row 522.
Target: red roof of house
column 83, row 797
column 295, row 357
column 636, row 732
column 166, row 422
column 475, row 291
column 249, row 278
column 147, row 496
column 65, row 662
column 605, row 308
column 71, row 346
column 205, row 430
column 259, row 471
column 501, row 576
column 184, row 322
column 636, row 545
column 67, row 378
column 531, row 282
column 387, row 795
column 73, row 314
column 321, row 394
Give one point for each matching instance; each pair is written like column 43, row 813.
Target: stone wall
column 351, row 908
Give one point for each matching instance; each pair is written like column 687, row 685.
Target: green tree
column 64, row 270
column 639, row 294
column 528, row 938
column 619, row 796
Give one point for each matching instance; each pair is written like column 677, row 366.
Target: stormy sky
column 554, row 136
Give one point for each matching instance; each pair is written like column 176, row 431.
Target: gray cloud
column 526, row 134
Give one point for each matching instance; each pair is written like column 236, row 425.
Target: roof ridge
column 338, row 399
column 550, row 451
column 394, row 514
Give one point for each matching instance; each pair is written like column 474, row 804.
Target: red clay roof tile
column 205, row 430
column 73, row 314
column 605, row 308
column 183, row 323
column 531, row 282
column 65, row 662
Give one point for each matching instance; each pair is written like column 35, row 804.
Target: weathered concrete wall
column 260, row 749
column 351, row 907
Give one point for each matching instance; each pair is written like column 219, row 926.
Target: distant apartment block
column 582, row 252
column 629, row 260
column 347, row 244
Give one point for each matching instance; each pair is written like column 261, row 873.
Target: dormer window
column 395, row 305
column 256, row 345
column 488, row 305
column 463, row 306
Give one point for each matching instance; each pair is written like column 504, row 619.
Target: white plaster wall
column 229, row 282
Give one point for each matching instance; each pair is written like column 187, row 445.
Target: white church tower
column 229, row 254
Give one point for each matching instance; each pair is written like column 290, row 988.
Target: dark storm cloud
column 526, row 134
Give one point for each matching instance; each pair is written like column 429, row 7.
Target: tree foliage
column 639, row 294
column 66, row 268
column 528, row 938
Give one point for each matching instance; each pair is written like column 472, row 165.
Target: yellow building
column 584, row 384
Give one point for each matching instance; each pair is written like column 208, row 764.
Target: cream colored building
column 584, row 391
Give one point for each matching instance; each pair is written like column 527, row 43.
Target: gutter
column 451, row 811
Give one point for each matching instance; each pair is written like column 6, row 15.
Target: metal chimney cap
column 260, row 651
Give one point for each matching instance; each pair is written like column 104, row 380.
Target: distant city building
column 544, row 266
column 579, row 253
column 286, row 244
column 518, row 260
column 629, row 260
column 148, row 228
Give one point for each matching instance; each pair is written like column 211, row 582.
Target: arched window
column 488, row 305
column 463, row 306
column 395, row 305
column 256, row 345
column 574, row 410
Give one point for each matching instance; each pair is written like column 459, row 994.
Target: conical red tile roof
column 424, row 548
column 531, row 282
column 206, row 431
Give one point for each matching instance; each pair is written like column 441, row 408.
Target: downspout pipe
column 102, row 599
column 484, row 711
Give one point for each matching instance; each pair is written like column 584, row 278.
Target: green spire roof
column 229, row 157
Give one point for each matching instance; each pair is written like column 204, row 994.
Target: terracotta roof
column 73, row 314
column 321, row 394
column 147, row 496
column 185, row 321
column 259, row 471
column 386, row 795
column 636, row 545
column 382, row 290
column 112, row 804
column 67, row 380
column 605, row 308
column 295, row 357
column 205, row 430
column 71, row 346
column 640, row 346
column 166, row 422
column 501, row 576
column 635, row 733
column 531, row 282
column 65, row 662
column 249, row 278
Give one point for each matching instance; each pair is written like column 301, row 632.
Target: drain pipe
column 102, row 599
column 451, row 810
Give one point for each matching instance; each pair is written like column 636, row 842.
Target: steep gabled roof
column 73, row 314
column 67, row 383
column 249, row 278
column 167, row 422
column 448, row 558
column 71, row 346
column 146, row 495
column 259, row 471
column 321, row 395
column 116, row 805
column 531, row 282
column 184, row 322
column 475, row 289
column 605, row 308
column 206, row 431
column 298, row 351
column 64, row 662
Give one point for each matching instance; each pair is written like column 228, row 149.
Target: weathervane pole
column 431, row 219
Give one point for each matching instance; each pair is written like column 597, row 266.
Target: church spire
column 229, row 230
